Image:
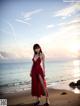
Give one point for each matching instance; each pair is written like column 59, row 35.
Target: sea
column 15, row 75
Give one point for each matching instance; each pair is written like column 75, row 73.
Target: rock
column 63, row 93
column 75, row 85
column 78, row 82
column 72, row 85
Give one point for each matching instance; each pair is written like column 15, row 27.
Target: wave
column 15, row 84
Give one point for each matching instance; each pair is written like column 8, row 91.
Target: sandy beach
column 57, row 98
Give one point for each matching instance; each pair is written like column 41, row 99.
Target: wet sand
column 57, row 98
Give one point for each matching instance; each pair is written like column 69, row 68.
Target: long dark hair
column 36, row 46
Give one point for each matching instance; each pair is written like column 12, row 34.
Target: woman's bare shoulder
column 42, row 55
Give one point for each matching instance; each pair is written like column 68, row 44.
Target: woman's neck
column 37, row 54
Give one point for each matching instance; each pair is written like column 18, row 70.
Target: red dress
column 37, row 88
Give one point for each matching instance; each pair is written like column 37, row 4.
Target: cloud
column 75, row 21
column 10, row 28
column 19, row 52
column 63, row 43
column 22, row 21
column 68, row 11
column 73, row 25
column 5, row 55
column 50, row 26
column 27, row 16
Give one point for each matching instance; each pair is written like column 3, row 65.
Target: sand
column 57, row 98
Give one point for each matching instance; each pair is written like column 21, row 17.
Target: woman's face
column 37, row 50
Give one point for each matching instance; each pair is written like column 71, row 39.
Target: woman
column 37, row 74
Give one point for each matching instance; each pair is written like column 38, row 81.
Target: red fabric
column 36, row 88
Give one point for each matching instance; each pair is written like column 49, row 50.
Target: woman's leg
column 45, row 89
column 37, row 101
column 47, row 100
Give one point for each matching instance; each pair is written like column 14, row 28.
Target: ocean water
column 15, row 76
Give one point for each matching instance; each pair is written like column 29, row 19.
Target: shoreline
column 20, row 88
column 57, row 98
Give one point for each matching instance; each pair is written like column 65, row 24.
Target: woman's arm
column 30, row 74
column 31, row 67
column 31, row 71
column 43, row 63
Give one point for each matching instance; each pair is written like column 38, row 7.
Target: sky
column 54, row 24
